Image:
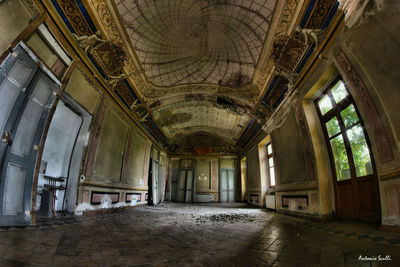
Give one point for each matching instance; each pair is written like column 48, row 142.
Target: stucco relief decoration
column 140, row 110
column 32, row 7
column 320, row 12
column 124, row 93
column 286, row 53
column 107, row 20
column 76, row 18
column 200, row 52
column 287, row 18
column 281, row 31
column 110, row 56
column 379, row 132
column 207, row 60
column 87, row 43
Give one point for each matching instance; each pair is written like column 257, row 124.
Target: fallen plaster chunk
column 106, row 202
column 120, row 205
column 133, row 201
column 83, row 207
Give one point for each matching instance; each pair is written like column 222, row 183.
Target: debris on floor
column 225, row 218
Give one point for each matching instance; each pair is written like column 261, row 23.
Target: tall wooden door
column 155, row 175
column 185, row 185
column 22, row 131
column 227, row 186
column 355, row 179
column 174, row 185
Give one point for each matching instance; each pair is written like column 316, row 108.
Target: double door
column 185, row 185
column 355, row 179
column 227, row 185
column 26, row 97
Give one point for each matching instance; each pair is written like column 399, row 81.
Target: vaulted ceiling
column 201, row 67
column 197, row 41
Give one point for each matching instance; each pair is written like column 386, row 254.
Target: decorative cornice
column 32, row 7
column 248, row 94
column 77, row 20
column 379, row 133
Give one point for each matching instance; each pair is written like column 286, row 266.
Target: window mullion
column 347, row 146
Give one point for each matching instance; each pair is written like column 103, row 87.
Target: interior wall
column 203, row 176
column 111, row 146
column 83, row 91
column 243, row 176
column 289, row 152
column 36, row 43
column 206, row 174
column 365, row 55
column 137, row 159
column 14, row 18
column 118, row 158
column 253, row 177
column 373, row 49
column 206, row 180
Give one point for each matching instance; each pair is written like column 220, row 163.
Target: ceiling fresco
column 197, row 41
column 191, row 116
column 200, row 67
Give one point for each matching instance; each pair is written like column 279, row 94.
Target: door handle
column 6, row 138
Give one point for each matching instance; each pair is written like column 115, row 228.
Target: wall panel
column 110, row 149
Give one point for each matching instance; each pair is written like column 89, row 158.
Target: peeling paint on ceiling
column 197, row 41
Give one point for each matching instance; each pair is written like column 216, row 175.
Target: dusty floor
column 196, row 235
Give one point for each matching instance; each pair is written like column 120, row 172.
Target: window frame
column 335, row 111
column 270, row 156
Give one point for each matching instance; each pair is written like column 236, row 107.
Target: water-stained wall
column 14, row 18
column 373, row 51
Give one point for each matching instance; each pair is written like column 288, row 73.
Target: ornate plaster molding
column 151, row 93
column 32, row 7
column 379, row 133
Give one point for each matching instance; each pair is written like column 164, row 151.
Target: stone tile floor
column 196, row 235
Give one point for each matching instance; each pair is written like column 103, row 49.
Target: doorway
column 243, row 170
column 154, row 173
column 174, row 184
column 26, row 97
column 61, row 159
column 227, row 185
column 354, row 172
column 185, row 185
column 161, row 183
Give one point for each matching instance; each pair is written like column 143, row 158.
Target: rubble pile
column 226, row 218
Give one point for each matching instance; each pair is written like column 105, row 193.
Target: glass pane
column 349, row 116
column 359, row 147
column 189, row 180
column 10, row 87
column 339, row 92
column 231, row 181
column 224, row 182
column 332, row 127
column 14, row 190
column 272, row 176
column 340, row 157
column 271, row 162
column 182, row 180
column 22, row 144
column 269, row 149
column 325, row 104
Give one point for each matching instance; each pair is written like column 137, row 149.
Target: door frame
column 81, row 143
column 220, row 187
column 354, row 180
column 185, row 190
column 155, row 167
column 42, row 67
